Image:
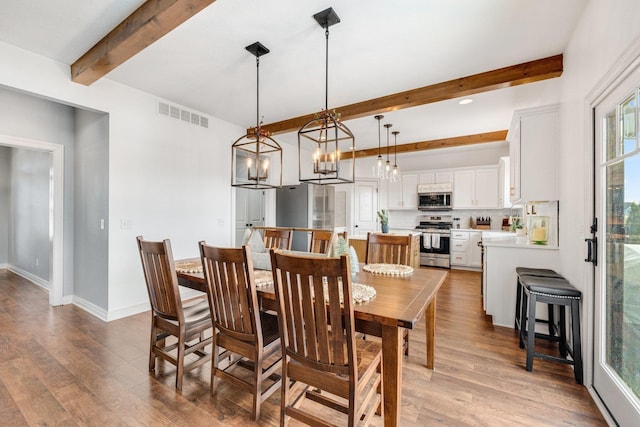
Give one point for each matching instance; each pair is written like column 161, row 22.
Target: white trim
column 90, row 308
column 56, row 285
column 38, row 281
column 622, row 67
column 603, row 409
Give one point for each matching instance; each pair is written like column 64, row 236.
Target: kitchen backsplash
column 409, row 219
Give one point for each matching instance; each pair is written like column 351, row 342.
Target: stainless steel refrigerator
column 305, row 206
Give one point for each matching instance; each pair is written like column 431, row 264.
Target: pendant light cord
column 326, row 68
column 258, row 96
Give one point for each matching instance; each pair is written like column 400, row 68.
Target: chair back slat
column 232, row 293
column 317, row 329
column 388, row 249
column 277, row 238
column 161, row 279
column 321, row 241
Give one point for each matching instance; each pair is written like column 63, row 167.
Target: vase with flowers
column 384, row 220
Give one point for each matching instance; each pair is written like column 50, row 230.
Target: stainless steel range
column 434, row 240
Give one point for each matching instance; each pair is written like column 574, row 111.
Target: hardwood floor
column 62, row 366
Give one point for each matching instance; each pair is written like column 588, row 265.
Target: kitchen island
column 359, row 243
column 501, row 257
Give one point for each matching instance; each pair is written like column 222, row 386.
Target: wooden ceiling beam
column 151, row 21
column 527, row 72
column 456, row 141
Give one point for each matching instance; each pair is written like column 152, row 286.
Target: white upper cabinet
column 504, row 198
column 475, row 188
column 533, row 151
column 436, row 177
column 403, row 194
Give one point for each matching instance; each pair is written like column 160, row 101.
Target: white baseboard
column 38, row 281
column 4, row 266
column 90, row 307
column 128, row 311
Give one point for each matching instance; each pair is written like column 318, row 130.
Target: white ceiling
column 379, row 47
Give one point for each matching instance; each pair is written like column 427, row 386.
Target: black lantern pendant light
column 395, row 173
column 378, row 170
column 326, row 147
column 256, row 158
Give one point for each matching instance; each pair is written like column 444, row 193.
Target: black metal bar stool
column 528, row 271
column 554, row 292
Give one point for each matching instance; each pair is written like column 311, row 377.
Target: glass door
column 617, row 274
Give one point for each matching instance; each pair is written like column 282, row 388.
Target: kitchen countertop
column 521, row 242
column 482, row 230
column 400, row 232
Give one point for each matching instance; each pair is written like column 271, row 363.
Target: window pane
column 623, row 270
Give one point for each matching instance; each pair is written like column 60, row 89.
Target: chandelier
column 330, row 142
column 256, row 158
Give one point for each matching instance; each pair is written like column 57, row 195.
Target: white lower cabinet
column 464, row 248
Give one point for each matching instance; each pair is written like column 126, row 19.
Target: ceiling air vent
column 182, row 114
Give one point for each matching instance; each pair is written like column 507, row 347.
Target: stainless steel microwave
column 434, row 197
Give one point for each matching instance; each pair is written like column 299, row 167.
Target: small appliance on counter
column 456, row 223
column 482, row 223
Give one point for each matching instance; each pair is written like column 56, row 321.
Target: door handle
column 592, row 244
column 592, row 251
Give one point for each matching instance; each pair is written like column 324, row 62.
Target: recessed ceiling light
column 465, row 101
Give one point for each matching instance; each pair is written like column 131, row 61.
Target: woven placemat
column 388, row 269
column 263, row 278
column 189, row 267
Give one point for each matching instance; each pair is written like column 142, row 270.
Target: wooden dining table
column 400, row 302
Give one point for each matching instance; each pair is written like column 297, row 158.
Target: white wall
column 474, row 155
column 604, row 31
column 167, row 178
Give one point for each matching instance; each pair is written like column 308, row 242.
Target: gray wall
column 4, row 203
column 30, row 117
column 91, row 190
column 29, row 243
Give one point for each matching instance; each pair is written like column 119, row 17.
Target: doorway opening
column 56, row 198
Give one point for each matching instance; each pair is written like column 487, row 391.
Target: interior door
column 617, row 272
column 249, row 211
column 366, row 207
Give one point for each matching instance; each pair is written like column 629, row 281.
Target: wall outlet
column 102, row 224
column 37, row 262
column 125, row 224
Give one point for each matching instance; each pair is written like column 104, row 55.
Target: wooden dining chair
column 277, row 238
column 185, row 320
column 321, row 241
column 388, row 249
column 320, row 351
column 243, row 333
